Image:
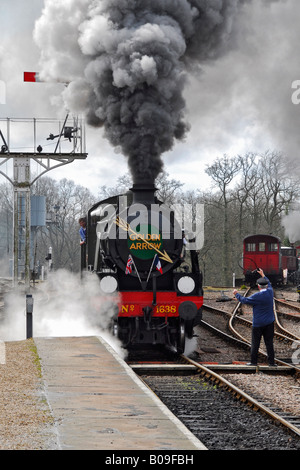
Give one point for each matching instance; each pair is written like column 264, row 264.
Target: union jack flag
column 129, row 265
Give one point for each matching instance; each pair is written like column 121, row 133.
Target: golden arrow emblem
column 125, row 226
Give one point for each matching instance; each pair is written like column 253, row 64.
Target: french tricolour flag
column 158, row 264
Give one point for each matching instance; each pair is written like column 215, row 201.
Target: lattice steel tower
column 48, row 142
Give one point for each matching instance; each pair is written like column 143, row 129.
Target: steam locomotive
column 279, row 263
column 135, row 246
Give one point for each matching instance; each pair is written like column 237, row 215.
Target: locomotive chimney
column 143, row 192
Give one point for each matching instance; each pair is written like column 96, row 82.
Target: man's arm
column 245, row 300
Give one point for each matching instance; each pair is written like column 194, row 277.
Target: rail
column 241, row 395
column 285, row 335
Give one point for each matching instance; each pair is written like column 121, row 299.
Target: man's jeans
column 267, row 332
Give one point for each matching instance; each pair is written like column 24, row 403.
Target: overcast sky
column 240, row 102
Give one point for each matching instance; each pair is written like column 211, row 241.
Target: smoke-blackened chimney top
column 143, row 192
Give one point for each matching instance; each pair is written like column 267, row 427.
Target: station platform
column 98, row 403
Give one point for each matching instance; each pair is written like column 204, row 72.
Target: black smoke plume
column 127, row 62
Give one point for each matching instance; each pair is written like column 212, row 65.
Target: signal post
column 70, row 134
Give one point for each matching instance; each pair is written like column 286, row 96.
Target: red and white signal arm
column 32, row 77
column 35, row 78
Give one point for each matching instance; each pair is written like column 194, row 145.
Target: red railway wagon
column 262, row 251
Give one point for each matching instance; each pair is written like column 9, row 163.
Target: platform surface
column 99, row 403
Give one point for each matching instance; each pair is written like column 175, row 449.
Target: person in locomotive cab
column 82, row 230
column 263, row 317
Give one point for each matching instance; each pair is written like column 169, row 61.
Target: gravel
column 25, row 417
column 219, row 420
column 282, row 391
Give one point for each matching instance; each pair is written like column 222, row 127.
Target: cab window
column 250, row 247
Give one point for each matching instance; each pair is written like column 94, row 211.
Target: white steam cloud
column 127, row 62
column 291, row 223
column 64, row 305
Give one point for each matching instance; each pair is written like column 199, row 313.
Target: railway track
column 284, row 339
column 288, row 318
column 237, row 324
column 187, row 387
column 291, row 422
column 182, row 384
column 222, row 415
column 282, row 332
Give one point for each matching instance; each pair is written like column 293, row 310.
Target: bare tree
column 223, row 171
column 279, row 188
column 249, row 194
column 65, row 203
column 124, row 183
column 168, row 190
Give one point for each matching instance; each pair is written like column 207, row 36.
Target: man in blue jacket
column 263, row 317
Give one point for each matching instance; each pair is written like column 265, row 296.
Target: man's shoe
column 272, row 365
column 251, row 364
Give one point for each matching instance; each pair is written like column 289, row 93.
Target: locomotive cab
column 136, row 247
